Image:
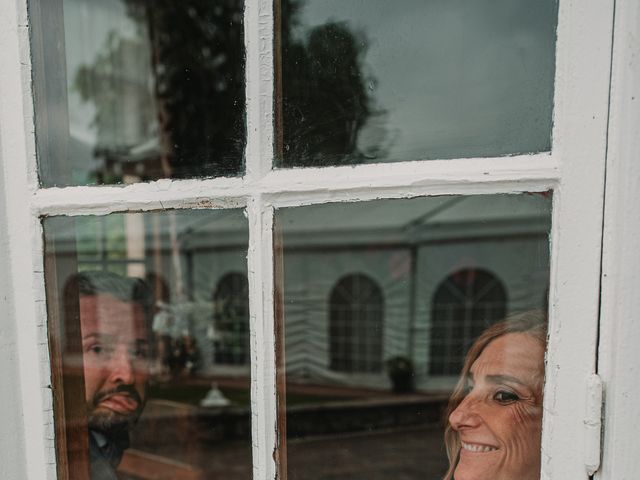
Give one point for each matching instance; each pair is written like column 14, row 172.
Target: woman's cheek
column 523, row 444
column 526, row 413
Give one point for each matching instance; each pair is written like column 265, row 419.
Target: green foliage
column 198, row 66
column 326, row 101
column 187, row 97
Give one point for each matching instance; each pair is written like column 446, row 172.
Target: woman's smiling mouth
column 477, row 448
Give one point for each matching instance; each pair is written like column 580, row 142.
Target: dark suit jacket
column 105, row 453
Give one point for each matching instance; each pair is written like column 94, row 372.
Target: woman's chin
column 476, row 469
column 479, row 470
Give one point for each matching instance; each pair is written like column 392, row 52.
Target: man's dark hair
column 95, row 282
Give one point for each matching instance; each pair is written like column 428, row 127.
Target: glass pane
column 383, row 302
column 149, row 335
column 134, row 90
column 367, row 81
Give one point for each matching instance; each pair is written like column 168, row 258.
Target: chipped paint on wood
column 23, row 252
column 579, row 140
column 263, row 374
column 539, row 172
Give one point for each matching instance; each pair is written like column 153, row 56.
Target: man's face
column 115, row 357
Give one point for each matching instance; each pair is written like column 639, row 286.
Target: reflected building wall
column 311, row 275
column 407, row 248
column 407, row 268
column 404, row 248
column 378, row 411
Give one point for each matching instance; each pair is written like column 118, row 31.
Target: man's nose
column 465, row 415
column 122, row 367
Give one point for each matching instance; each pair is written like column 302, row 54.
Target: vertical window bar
column 579, row 140
column 277, row 91
column 31, row 403
column 280, row 452
column 263, row 338
column 259, row 35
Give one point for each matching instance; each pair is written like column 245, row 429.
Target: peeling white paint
column 281, row 188
column 263, row 372
column 579, row 139
column 260, row 86
column 23, row 252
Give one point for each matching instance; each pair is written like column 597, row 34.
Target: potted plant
column 400, row 371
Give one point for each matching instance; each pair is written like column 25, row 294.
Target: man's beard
column 106, row 420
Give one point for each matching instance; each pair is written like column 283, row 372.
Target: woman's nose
column 465, row 415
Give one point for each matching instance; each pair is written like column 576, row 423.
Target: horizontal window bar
column 312, row 185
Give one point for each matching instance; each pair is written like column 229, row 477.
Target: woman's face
column 500, row 419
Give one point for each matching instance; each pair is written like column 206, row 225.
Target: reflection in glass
column 152, row 308
column 381, row 302
column 356, row 313
column 464, row 304
column 149, row 90
column 377, row 81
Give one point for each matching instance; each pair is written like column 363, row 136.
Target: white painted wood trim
column 162, row 194
column 466, row 176
column 260, row 86
column 11, row 416
column 579, row 139
column 619, row 361
column 263, row 371
column 314, row 185
column 23, row 254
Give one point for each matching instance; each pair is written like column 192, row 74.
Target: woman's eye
column 97, row 349
column 505, row 397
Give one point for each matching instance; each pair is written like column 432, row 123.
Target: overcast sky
column 457, row 77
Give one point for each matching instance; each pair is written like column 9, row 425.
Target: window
column 560, row 56
column 465, row 303
column 189, row 400
column 231, row 320
column 381, row 397
column 356, row 325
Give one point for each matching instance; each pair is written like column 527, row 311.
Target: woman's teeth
column 472, row 447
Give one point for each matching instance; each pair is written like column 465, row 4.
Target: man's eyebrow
column 106, row 338
column 99, row 336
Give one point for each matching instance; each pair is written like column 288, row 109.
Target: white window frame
column 618, row 359
column 574, row 170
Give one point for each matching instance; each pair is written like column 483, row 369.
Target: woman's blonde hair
column 532, row 323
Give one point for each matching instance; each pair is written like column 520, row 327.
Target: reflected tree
column 117, row 83
column 327, row 98
column 189, row 106
column 197, row 50
column 192, row 81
